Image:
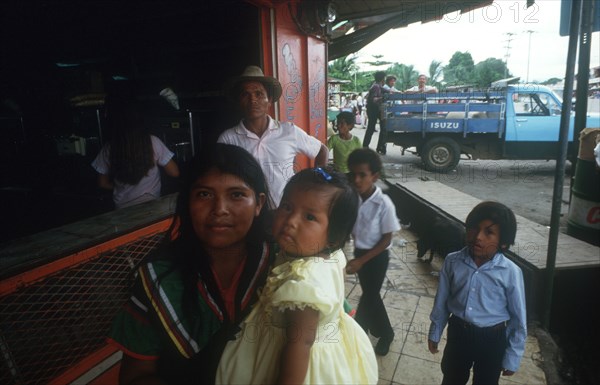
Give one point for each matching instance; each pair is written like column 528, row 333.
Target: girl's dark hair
column 130, row 146
column 346, row 117
column 498, row 214
column 187, row 253
column 365, row 155
column 343, row 208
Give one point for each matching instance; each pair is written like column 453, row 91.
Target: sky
column 484, row 33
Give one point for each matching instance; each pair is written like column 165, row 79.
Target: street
column 524, row 185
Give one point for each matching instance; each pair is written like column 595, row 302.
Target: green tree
column 406, row 75
column 489, row 70
column 435, row 71
column 551, row 81
column 344, row 68
column 396, row 70
column 364, row 81
column 460, row 69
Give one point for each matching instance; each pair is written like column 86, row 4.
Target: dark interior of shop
column 58, row 60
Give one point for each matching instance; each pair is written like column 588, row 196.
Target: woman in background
column 128, row 163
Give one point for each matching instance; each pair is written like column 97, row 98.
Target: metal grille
column 50, row 325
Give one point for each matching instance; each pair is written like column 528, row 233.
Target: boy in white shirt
column 372, row 235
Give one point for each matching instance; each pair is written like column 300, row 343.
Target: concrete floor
column 408, row 294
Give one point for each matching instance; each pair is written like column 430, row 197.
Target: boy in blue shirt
column 481, row 297
column 372, row 233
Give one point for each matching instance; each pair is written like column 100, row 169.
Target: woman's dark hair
column 130, row 146
column 498, row 214
column 365, row 155
column 185, row 250
column 343, row 208
column 228, row 159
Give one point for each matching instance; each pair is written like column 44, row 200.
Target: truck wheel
column 440, row 154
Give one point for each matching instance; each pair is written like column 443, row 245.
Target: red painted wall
column 317, row 88
column 301, row 69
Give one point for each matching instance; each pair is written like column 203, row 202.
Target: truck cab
column 533, row 122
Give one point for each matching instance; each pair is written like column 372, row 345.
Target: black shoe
column 383, row 346
column 381, row 151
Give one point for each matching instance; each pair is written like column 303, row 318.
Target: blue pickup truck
column 512, row 122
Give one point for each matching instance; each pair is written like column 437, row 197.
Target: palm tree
column 407, row 76
column 435, row 71
column 342, row 68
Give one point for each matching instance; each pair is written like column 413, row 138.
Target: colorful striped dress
column 153, row 326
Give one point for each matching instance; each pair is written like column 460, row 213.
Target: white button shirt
column 376, row 216
column 275, row 150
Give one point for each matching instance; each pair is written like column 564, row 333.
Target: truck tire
column 440, row 154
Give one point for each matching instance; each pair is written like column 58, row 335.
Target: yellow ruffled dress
column 342, row 352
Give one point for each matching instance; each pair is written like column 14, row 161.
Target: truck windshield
column 536, row 104
column 557, row 96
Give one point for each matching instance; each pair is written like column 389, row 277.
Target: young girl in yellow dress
column 298, row 331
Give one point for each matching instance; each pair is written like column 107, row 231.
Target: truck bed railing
column 449, row 112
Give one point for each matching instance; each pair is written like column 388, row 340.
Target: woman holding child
column 190, row 297
column 190, row 294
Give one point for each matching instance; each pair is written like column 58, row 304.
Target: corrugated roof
column 366, row 20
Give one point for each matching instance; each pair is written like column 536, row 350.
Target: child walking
column 481, row 297
column 298, row 332
column 343, row 143
column 372, row 235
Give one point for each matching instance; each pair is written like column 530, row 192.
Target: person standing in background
column 374, row 102
column 422, row 87
column 360, row 102
column 343, row 143
column 390, row 84
column 273, row 143
column 129, row 163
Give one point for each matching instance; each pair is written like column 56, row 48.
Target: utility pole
column 507, row 55
column 528, row 53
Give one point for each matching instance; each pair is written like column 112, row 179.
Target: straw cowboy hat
column 255, row 74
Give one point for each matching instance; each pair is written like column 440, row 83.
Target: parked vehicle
column 519, row 121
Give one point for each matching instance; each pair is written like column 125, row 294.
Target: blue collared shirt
column 483, row 296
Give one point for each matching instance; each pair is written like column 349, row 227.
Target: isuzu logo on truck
column 444, row 125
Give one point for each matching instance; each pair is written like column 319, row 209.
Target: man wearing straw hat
column 274, row 144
